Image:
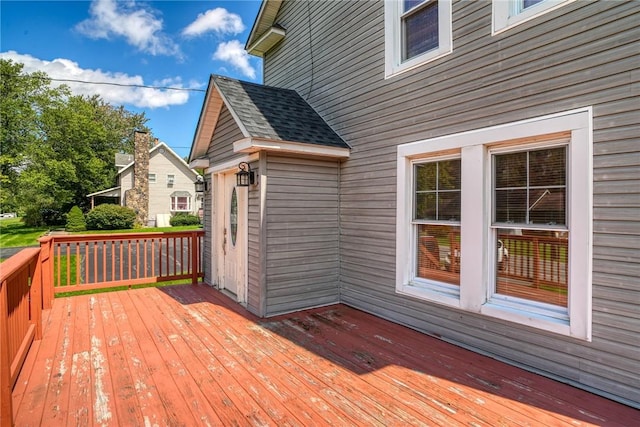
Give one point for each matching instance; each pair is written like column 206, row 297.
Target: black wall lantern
column 200, row 184
column 245, row 177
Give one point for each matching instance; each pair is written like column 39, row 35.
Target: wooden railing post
column 46, row 265
column 194, row 258
column 6, row 400
column 35, row 295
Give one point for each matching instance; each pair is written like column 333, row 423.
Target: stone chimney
column 137, row 198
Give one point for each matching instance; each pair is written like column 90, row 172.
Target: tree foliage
column 56, row 147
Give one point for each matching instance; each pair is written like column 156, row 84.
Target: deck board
column 188, row 355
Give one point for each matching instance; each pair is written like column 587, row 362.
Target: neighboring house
column 171, row 185
column 467, row 169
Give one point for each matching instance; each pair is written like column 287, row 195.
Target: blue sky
column 153, row 43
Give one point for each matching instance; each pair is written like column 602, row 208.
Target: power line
column 111, row 83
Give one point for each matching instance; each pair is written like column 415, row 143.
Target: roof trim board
column 252, row 145
column 267, row 41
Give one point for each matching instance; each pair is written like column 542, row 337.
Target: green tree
column 57, row 147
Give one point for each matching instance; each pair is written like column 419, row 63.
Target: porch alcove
column 271, row 246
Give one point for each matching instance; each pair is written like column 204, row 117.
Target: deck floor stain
column 188, row 355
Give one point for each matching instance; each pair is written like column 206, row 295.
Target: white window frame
column 171, row 179
column 174, row 206
column 509, row 13
column 152, row 178
column 477, row 272
column 393, row 38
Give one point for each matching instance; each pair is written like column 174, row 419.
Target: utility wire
column 111, row 83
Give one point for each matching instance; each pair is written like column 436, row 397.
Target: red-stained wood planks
column 188, row 355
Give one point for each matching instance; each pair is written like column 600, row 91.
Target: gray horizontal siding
column 301, row 233
column 255, row 292
column 582, row 54
column 225, row 134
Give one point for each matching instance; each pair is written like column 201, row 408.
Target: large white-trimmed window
column 416, row 32
column 523, row 249
column 509, row 13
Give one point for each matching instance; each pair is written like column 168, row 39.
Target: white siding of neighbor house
column 582, row 54
column 163, row 164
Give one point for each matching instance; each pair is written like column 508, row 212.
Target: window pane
column 420, row 31
column 449, row 206
column 532, row 265
column 438, row 253
column 426, row 206
column 426, row 174
column 547, row 167
column 511, row 170
column 449, row 175
column 511, row 206
column 547, row 206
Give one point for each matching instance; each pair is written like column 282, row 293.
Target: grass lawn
column 14, row 233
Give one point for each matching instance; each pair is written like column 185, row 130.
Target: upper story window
column 416, row 32
column 498, row 221
column 171, row 179
column 509, row 13
column 152, row 178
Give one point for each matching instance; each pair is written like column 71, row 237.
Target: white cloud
column 117, row 92
column 139, row 27
column 233, row 52
column 217, row 20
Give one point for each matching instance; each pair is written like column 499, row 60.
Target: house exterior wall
column 164, row 164
column 582, row 54
column 302, row 257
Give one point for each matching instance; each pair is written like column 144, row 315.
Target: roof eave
column 266, row 42
column 264, row 21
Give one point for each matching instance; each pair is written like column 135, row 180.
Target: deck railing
column 30, row 279
column 20, row 319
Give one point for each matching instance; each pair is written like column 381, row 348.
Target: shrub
column 110, row 217
column 75, row 220
column 36, row 216
column 184, row 219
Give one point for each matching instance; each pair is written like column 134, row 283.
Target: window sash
column 180, row 203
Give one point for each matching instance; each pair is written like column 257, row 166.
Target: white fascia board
column 232, row 164
column 266, row 42
column 252, row 145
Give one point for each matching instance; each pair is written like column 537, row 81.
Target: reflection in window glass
column 437, row 195
column 532, row 264
column 438, row 253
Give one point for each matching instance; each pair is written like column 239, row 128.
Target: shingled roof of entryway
column 264, row 113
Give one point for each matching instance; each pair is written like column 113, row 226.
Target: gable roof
column 269, row 118
column 167, row 150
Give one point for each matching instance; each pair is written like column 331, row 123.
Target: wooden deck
column 187, row 355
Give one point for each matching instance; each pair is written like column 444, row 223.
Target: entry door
column 233, row 253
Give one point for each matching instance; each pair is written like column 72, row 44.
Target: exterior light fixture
column 200, row 184
column 245, row 177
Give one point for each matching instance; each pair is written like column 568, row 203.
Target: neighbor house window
column 508, row 13
column 152, row 178
column 416, row 31
column 181, row 203
column 498, row 221
column 171, row 179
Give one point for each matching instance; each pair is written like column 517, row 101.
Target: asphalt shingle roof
column 276, row 113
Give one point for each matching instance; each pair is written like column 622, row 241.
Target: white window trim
column 503, row 17
column 152, row 178
column 171, row 201
column 476, row 271
column 393, row 38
